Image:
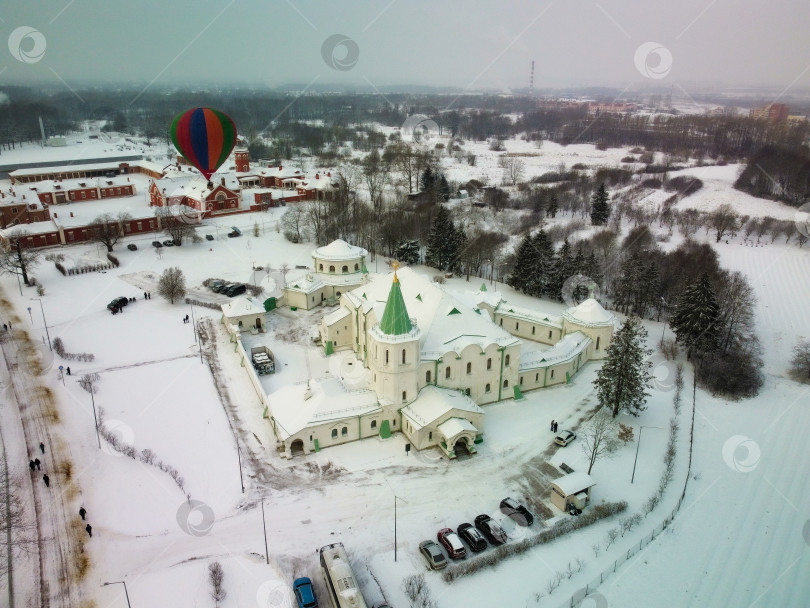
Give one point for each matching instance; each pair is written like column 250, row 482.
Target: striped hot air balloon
column 204, row 137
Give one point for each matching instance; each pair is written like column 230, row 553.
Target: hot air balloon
column 204, row 137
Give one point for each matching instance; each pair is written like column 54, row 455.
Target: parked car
column 157, row 244
column 515, row 510
column 118, row 303
column 433, row 554
column 572, row 509
column 209, row 237
column 235, row 290
column 452, row 543
column 564, row 437
column 222, row 287
column 491, row 529
column 132, row 247
column 168, row 243
column 234, row 232
column 304, row 593
column 215, row 284
column 472, row 537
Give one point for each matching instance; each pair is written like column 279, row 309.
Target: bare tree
column 172, row 284
column 108, row 229
column 514, row 169
column 722, row 220
column 15, row 258
column 176, row 223
column 216, row 577
column 599, row 437
column 293, row 222
column 800, row 364
column 16, row 530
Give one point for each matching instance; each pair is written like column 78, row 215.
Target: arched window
column 356, row 267
column 597, row 342
column 345, row 269
column 533, row 328
column 403, row 356
column 447, row 372
column 386, row 356
column 517, row 325
column 427, row 377
column 404, row 395
column 469, row 368
column 521, row 381
column 549, row 334
column 487, row 388
column 331, row 269
column 489, row 363
column 506, row 383
column 344, row 431
column 334, row 433
column 552, row 373
column 374, row 424
column 507, row 359
column 430, row 436
column 320, row 267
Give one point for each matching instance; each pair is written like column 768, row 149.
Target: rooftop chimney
column 71, row 214
column 223, row 181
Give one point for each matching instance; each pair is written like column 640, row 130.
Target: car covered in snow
column 433, row 554
column 451, row 543
column 473, row 537
column 491, row 529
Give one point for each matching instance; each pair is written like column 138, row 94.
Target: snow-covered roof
column 241, row 306
column 589, row 312
column 111, row 165
column 336, row 315
column 447, row 322
column 535, row 316
column 311, row 281
column 297, row 406
column 339, row 250
column 31, row 229
column 451, row 427
column 575, row 482
column 434, row 402
column 564, row 350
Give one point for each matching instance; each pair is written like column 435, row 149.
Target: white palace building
column 419, row 359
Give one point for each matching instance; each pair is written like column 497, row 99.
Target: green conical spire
column 395, row 320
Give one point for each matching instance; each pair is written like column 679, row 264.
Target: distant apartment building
column 773, row 112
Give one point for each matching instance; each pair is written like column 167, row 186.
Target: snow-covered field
column 740, row 539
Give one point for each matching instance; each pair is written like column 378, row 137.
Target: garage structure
column 574, row 488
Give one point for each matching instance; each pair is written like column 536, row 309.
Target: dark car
column 235, row 290
column 304, row 593
column 491, row 529
column 433, row 554
column 157, row 244
column 216, row 284
column 169, row 243
column 472, row 537
column 132, row 247
column 118, row 303
column 451, row 543
column 209, row 237
column 234, row 232
column 564, row 437
column 515, row 510
column 572, row 509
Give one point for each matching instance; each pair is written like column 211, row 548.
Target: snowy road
column 60, row 563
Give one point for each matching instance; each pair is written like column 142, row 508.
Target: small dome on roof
column 339, row 250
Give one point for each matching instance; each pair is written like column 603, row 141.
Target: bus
column 339, row 578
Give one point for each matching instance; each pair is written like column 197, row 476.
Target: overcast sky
column 470, row 44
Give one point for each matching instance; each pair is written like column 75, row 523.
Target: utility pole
column 239, row 456
column 264, row 527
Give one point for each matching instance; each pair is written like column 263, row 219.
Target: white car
column 564, row 437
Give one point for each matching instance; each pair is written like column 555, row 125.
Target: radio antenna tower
column 531, row 81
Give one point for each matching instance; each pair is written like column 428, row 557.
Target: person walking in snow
column 68, row 370
column 42, row 447
column 37, row 463
column 82, row 512
column 32, row 466
column 47, row 480
column 89, row 529
column 552, row 426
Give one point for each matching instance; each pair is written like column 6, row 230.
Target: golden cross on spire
column 395, row 265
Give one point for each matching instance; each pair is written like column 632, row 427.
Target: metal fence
column 590, row 589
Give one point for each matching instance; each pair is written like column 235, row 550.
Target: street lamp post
column 125, row 589
column 264, row 527
column 44, row 321
column 640, row 428
column 396, row 498
column 193, row 322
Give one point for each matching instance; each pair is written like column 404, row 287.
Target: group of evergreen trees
column 445, row 243
column 540, row 271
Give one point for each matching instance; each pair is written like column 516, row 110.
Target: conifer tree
column 521, row 271
column 623, row 380
column 553, row 206
column 442, row 241
column 542, row 267
column 600, row 211
column 696, row 318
